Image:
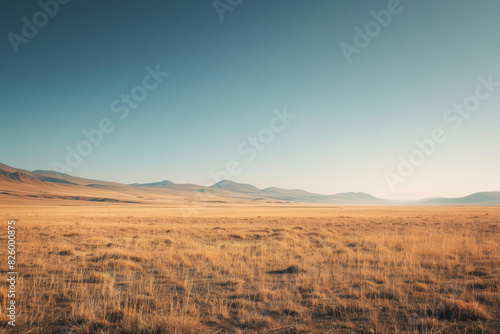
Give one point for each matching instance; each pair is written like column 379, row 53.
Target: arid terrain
column 126, row 268
column 250, row 167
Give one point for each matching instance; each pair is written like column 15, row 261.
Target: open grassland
column 108, row 269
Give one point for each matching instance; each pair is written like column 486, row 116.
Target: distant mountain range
column 297, row 195
column 48, row 185
column 482, row 198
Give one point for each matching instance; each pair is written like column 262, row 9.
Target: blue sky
column 352, row 120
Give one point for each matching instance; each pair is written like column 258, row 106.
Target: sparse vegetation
column 350, row 270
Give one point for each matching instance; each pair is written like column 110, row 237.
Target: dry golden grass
column 270, row 270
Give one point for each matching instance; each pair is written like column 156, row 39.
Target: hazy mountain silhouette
column 237, row 187
column 50, row 184
column 162, row 184
column 297, row 195
column 483, row 198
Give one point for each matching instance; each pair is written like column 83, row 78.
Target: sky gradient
column 227, row 79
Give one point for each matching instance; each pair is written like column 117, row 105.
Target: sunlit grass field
column 319, row 270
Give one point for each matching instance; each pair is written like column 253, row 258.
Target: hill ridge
column 43, row 180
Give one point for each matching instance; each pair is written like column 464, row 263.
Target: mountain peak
column 161, row 184
column 236, row 187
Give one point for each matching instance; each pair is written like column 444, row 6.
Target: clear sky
column 353, row 121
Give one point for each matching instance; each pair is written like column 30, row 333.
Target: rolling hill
column 49, row 185
column 480, row 198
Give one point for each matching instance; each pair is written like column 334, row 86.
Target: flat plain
column 125, row 268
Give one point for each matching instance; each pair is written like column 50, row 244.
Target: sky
column 326, row 96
